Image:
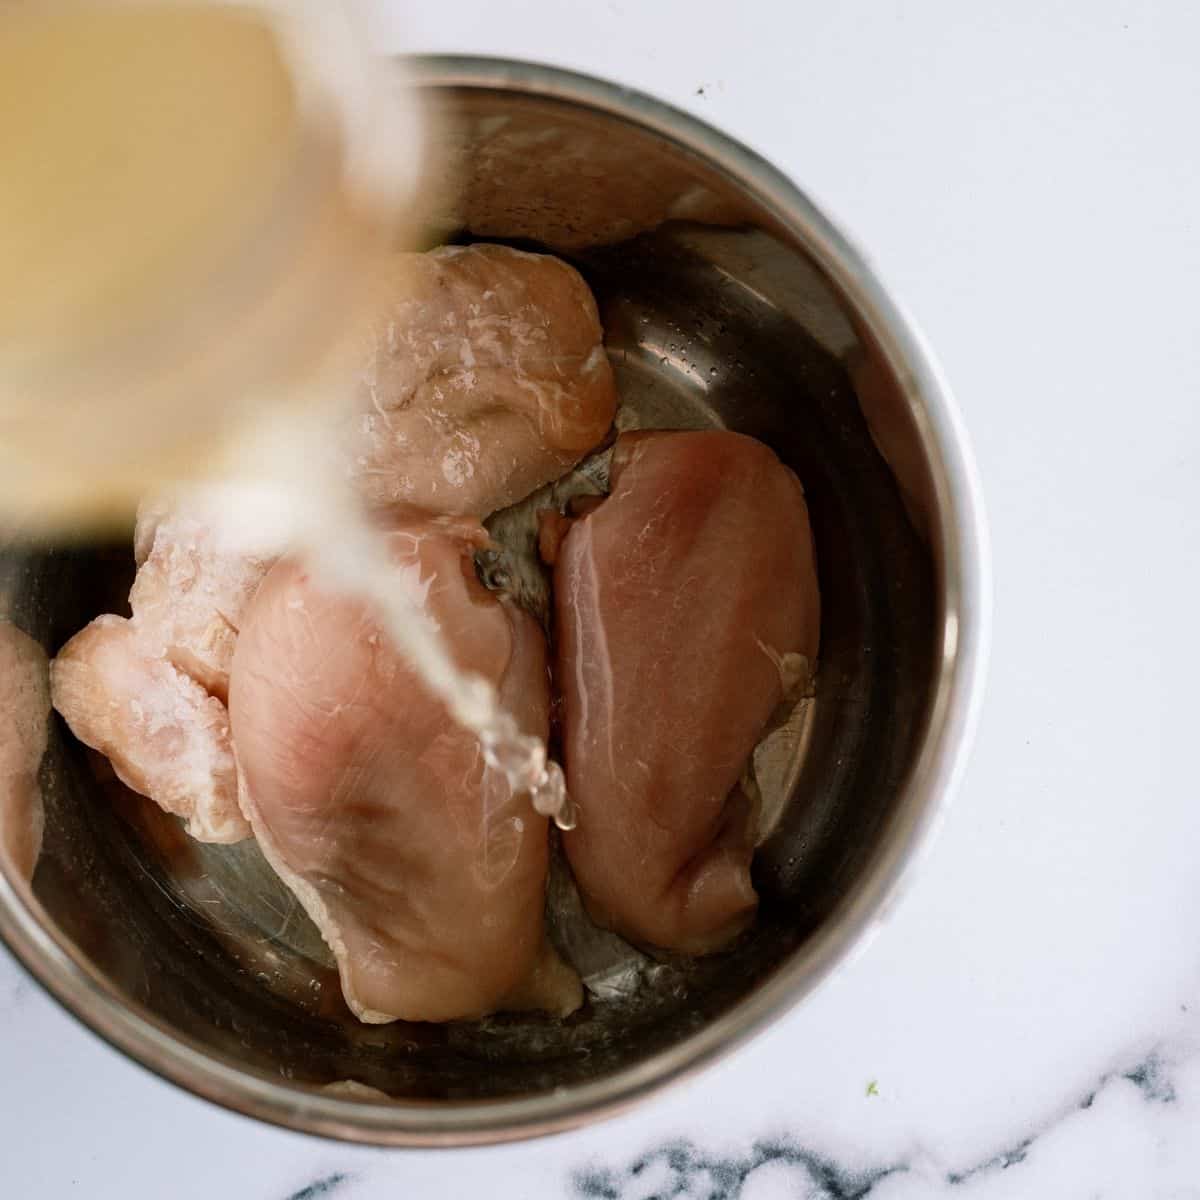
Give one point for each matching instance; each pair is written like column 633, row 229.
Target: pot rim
column 966, row 593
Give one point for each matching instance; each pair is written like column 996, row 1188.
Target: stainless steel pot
column 727, row 297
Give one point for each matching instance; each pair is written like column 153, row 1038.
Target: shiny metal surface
column 726, row 298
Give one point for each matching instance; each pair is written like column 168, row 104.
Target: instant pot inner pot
column 713, row 314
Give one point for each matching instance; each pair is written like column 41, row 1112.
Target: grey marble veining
column 327, row 1185
column 683, row 1170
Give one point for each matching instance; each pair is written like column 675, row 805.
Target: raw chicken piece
column 24, row 711
column 591, row 189
column 190, row 592
column 682, row 601
column 165, row 736
column 425, row 875
column 150, row 692
column 486, row 379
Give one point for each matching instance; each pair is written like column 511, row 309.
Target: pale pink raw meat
column 190, row 591
column 485, row 378
column 678, row 599
column 422, row 870
column 24, row 711
column 563, row 181
column 165, row 736
column 150, row 692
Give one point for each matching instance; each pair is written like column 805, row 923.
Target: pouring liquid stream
column 351, row 556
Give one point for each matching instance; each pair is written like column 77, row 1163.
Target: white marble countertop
column 1028, row 1023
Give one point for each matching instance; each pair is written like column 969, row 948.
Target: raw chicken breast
column 150, row 692
column 165, row 736
column 486, row 379
column 24, row 712
column 190, row 591
column 591, row 189
column 682, row 602
column 425, row 875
